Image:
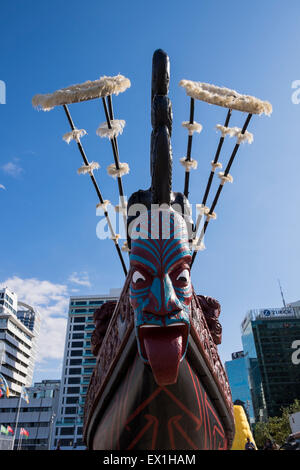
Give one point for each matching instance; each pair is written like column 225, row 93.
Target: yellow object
column 242, row 429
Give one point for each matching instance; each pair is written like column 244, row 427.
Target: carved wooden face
column 161, row 293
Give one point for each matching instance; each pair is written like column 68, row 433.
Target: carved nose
column 162, row 298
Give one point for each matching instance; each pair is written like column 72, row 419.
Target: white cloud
column 12, row 169
column 52, row 301
column 82, row 279
column 2, row 186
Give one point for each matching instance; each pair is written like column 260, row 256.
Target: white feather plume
column 202, row 209
column 117, row 126
column 116, row 237
column 121, row 208
column 194, row 127
column 84, row 169
column 125, row 247
column 82, row 92
column 103, row 205
column 189, row 164
column 114, row 172
column 225, row 97
column 235, row 132
column 215, row 165
column 196, row 246
column 74, row 135
column 225, row 179
column 211, row 216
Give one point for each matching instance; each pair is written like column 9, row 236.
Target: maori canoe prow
column 159, row 382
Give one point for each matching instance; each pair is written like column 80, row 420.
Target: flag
column 24, row 395
column 24, row 432
column 3, row 386
column 9, row 429
column 3, row 429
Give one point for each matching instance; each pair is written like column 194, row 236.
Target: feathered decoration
column 235, row 132
column 103, row 205
column 117, row 126
column 211, row 216
column 196, row 246
column 202, row 209
column 194, row 127
column 82, row 92
column 189, row 164
column 216, row 165
column 125, row 247
column 76, row 134
column 225, row 179
column 116, row 237
column 121, row 208
column 225, row 97
column 84, row 169
column 114, row 172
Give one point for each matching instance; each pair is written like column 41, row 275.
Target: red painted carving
column 204, row 312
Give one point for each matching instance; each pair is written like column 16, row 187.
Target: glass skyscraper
column 267, row 337
column 19, row 331
column 78, row 366
column 237, row 373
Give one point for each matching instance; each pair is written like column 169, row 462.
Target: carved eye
column 137, row 277
column 184, row 276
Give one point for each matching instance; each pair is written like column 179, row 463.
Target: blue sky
column 49, row 248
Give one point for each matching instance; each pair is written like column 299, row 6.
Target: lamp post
column 50, row 431
column 76, row 422
column 2, row 353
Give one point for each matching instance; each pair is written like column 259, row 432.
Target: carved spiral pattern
column 116, row 338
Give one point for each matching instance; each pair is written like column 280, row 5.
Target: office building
column 18, row 341
column 37, row 416
column 274, row 378
column 78, row 365
column 237, row 373
column 31, row 319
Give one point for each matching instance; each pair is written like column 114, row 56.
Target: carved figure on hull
column 158, row 382
column 161, row 294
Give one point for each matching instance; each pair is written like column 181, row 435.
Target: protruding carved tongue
column 163, row 347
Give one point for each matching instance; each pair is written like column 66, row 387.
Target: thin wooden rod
column 219, row 190
column 189, row 149
column 86, row 162
column 216, row 159
column 114, row 149
column 211, row 176
column 122, row 200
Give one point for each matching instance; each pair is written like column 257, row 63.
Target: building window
column 76, row 352
column 70, row 410
column 73, row 390
column 67, row 431
column 75, row 362
column 78, row 336
column 75, row 371
column 78, row 327
column 71, row 400
column 77, row 344
column 79, row 319
column 74, row 380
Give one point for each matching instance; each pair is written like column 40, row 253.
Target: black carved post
column 161, row 120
